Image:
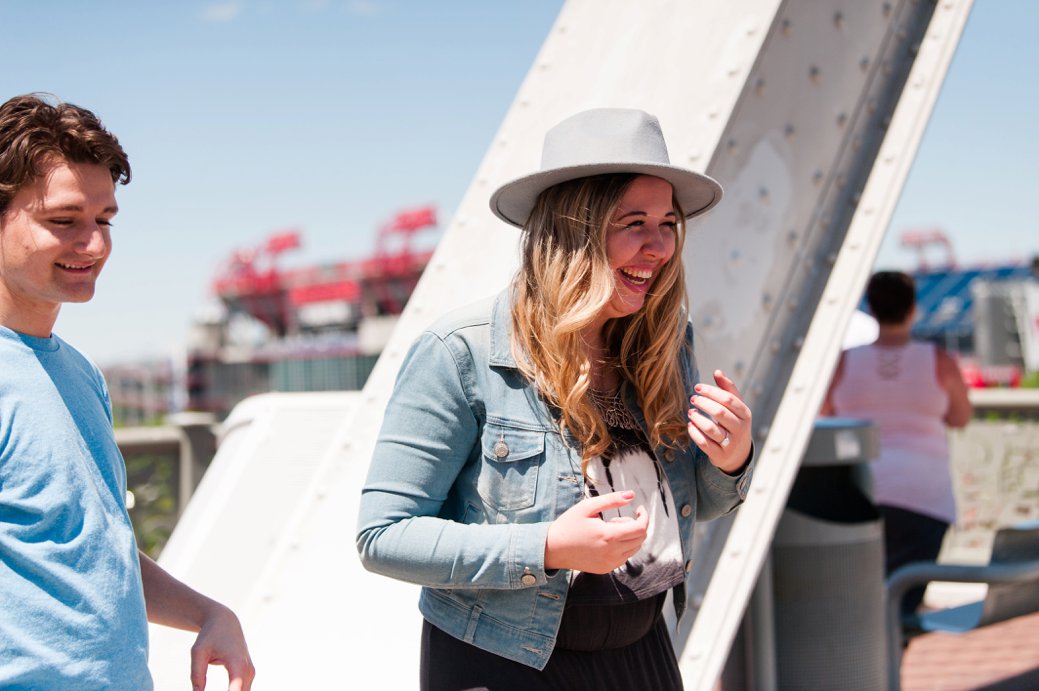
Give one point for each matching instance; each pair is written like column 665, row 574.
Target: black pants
column 909, row 537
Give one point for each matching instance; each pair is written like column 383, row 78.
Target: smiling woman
column 540, row 467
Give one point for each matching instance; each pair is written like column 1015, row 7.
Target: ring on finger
column 725, row 442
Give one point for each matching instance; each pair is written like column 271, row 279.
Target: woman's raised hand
column 726, row 439
column 580, row 539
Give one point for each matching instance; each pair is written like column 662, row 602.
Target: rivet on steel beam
column 766, row 301
column 731, row 145
column 695, row 156
column 544, row 65
column 813, row 74
column 855, row 199
column 864, row 64
column 791, row 237
column 838, row 20
column 886, row 9
column 900, row 35
column 561, row 28
column 764, row 430
column 739, row 367
column 887, row 69
column 831, row 258
column 785, row 27
column 712, row 113
column 842, row 118
column 763, row 195
column 871, row 106
column 789, row 131
column 735, row 257
column 885, row 122
column 856, row 144
column 759, row 86
column 734, row 70
column 914, row 49
column 792, row 304
column 817, row 177
column 798, row 343
column 524, row 103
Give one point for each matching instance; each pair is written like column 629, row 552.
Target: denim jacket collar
column 501, row 332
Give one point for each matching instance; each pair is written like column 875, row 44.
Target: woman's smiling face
column 640, row 239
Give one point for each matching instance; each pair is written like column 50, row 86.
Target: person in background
column 912, row 391
column 544, row 456
column 75, row 592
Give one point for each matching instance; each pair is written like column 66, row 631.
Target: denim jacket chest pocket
column 512, row 460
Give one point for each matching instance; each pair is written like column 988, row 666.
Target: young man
column 75, row 592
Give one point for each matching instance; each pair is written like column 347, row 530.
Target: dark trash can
column 828, row 568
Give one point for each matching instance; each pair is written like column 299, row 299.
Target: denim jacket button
column 687, row 511
column 528, row 579
column 669, row 455
column 688, row 565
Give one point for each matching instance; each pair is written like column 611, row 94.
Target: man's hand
column 221, row 642
column 220, row 639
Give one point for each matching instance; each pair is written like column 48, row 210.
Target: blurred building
column 988, row 315
column 142, row 393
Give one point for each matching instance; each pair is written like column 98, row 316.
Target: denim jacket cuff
column 528, row 555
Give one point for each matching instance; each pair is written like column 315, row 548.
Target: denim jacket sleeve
column 407, row 528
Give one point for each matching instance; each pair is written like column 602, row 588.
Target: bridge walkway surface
column 998, row 657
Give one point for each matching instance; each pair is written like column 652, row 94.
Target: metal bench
column 1012, row 575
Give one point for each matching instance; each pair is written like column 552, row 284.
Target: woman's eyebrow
column 636, row 212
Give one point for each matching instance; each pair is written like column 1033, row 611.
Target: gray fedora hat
column 604, row 140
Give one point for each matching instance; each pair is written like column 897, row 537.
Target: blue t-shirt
column 72, row 610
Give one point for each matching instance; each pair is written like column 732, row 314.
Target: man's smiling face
column 54, row 240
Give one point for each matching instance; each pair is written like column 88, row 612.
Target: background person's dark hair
column 35, row 132
column 891, row 296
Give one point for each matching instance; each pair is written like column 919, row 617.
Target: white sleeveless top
column 897, row 388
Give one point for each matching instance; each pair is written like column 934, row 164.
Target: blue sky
column 243, row 118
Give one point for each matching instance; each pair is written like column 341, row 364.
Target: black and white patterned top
column 630, row 464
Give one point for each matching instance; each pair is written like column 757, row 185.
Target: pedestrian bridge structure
column 809, row 113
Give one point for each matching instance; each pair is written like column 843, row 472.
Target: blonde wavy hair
column 564, row 282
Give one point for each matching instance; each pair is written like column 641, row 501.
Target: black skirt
column 623, row 647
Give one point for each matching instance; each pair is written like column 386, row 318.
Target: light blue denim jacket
column 467, row 474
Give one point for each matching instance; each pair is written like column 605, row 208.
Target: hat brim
column 514, row 201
